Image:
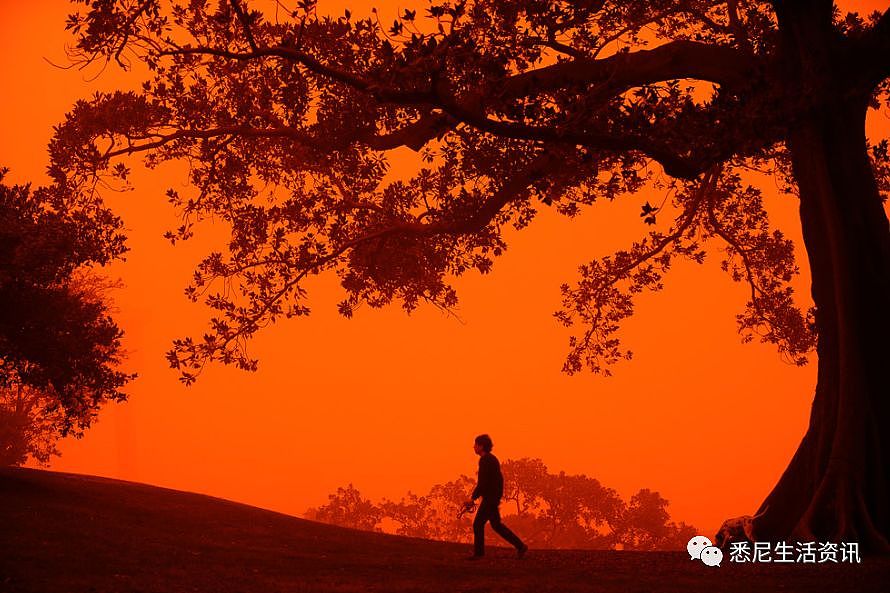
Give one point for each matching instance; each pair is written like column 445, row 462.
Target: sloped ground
column 71, row 533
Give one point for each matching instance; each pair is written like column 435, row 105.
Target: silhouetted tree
column 579, row 509
column 517, row 105
column 525, row 485
column 576, row 511
column 412, row 516
column 552, row 511
column 59, row 346
column 433, row 516
column 348, row 508
column 645, row 525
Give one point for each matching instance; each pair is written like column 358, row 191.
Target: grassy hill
column 70, row 533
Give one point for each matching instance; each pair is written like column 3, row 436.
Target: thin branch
column 552, row 43
column 736, row 27
column 245, row 24
column 380, row 92
column 413, row 135
column 129, row 23
column 706, row 187
column 247, row 131
column 746, row 262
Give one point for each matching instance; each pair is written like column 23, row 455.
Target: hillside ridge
column 74, row 533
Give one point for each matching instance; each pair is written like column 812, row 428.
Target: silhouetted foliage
column 433, row 516
column 515, row 106
column 27, row 430
column 645, row 525
column 59, row 346
column 549, row 510
column 347, row 508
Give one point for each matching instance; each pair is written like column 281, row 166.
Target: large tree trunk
column 837, row 486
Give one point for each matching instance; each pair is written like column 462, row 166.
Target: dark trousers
column 489, row 512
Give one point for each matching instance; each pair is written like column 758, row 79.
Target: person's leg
column 482, row 515
column 503, row 530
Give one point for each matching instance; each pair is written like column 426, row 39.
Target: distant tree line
column 549, row 510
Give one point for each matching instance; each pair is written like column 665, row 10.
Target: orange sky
column 391, row 402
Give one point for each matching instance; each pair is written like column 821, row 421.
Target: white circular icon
column 696, row 545
column 712, row 556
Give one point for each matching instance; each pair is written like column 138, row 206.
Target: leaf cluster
column 59, row 346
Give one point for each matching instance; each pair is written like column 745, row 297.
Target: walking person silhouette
column 490, row 486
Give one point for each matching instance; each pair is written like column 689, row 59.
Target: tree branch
column 736, row 27
column 616, row 74
column 413, row 135
column 247, row 131
column 608, row 77
column 703, row 193
column 605, row 282
column 380, row 92
column 553, row 44
column 245, row 24
column 513, row 189
column 743, row 253
column 674, row 164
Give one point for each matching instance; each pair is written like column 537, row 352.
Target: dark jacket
column 490, row 485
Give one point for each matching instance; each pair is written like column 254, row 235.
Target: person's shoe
column 476, row 557
column 520, row 552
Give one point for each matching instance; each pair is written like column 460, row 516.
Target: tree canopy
column 515, row 106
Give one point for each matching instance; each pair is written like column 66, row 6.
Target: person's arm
column 484, row 480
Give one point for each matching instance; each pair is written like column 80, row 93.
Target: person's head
column 482, row 444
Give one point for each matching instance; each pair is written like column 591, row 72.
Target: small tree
column 59, row 347
column 348, row 508
column 645, row 525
